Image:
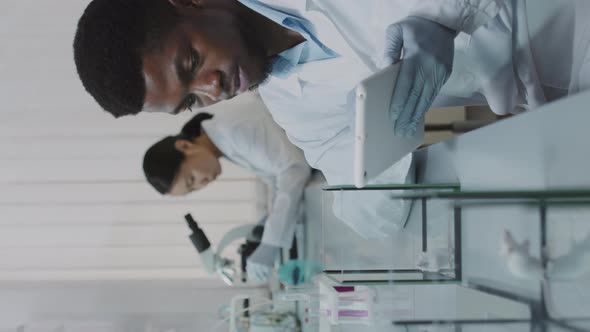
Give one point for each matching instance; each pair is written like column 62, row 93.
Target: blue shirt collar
column 310, row 50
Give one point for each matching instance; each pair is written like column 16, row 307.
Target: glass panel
column 389, row 305
column 568, row 253
column 369, row 231
column 501, row 243
column 468, row 327
column 393, row 186
column 580, row 324
column 385, row 277
column 510, row 257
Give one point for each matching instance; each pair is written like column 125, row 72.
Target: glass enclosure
column 448, row 259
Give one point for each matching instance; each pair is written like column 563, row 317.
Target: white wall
column 79, row 207
column 73, row 200
column 116, row 306
column 74, row 204
column 83, row 238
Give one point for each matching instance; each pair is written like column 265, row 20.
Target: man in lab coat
column 244, row 133
column 172, row 55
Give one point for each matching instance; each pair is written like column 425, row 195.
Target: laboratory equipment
column 212, row 260
column 299, row 271
column 259, row 317
column 481, row 285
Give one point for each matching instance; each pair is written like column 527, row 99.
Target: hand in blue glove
column 428, row 49
column 259, row 265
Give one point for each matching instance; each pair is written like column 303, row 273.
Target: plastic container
column 350, row 305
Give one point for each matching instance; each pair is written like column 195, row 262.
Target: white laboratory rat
column 572, row 265
column 519, row 260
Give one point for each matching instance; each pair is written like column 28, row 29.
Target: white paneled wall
column 146, row 306
column 74, row 204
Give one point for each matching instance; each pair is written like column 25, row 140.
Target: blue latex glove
column 428, row 50
column 298, row 271
column 259, row 265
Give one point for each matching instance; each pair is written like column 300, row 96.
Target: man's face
column 206, row 58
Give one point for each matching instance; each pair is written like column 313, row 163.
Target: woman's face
column 198, row 169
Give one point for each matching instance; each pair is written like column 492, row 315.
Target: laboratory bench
column 518, row 186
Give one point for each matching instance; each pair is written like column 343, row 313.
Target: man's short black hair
column 108, row 47
column 162, row 160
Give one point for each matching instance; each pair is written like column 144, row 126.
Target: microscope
column 212, row 260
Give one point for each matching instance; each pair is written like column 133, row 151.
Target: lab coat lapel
column 327, row 32
column 293, row 7
column 296, row 8
column 330, row 70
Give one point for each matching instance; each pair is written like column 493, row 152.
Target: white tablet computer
column 376, row 146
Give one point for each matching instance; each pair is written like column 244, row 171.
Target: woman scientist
column 248, row 137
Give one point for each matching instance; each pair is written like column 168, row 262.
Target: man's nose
column 210, row 83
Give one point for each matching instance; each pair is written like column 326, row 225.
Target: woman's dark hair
column 162, row 160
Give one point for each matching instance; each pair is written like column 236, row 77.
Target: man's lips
column 244, row 82
column 241, row 83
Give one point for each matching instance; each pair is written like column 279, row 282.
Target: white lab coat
column 246, row 134
column 493, row 63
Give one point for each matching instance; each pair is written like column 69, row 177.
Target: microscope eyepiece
column 198, row 238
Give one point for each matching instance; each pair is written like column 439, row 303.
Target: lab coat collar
column 328, row 70
column 328, row 33
column 289, row 84
column 311, row 10
column 291, row 7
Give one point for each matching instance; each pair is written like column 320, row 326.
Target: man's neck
column 275, row 37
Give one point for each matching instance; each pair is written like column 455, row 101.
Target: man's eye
column 194, row 60
column 190, row 102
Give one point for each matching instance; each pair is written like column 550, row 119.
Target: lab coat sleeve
column 287, row 207
column 459, row 15
column 286, row 165
column 371, row 214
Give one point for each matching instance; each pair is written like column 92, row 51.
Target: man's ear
column 186, row 3
column 183, row 145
